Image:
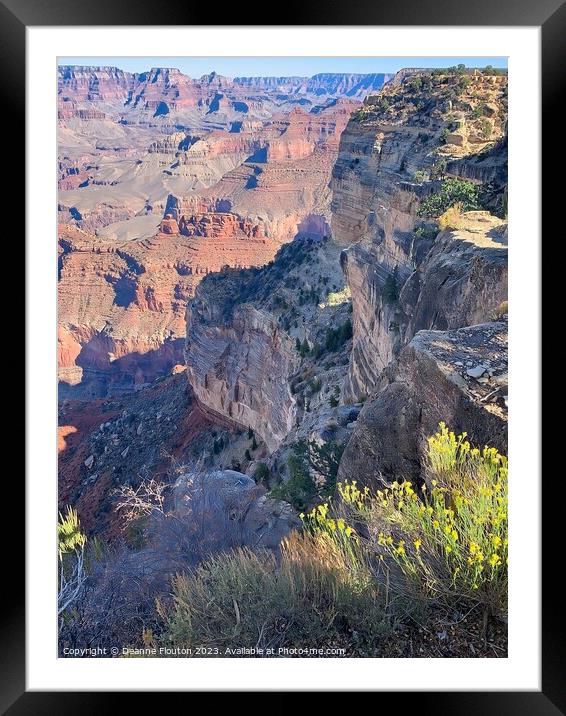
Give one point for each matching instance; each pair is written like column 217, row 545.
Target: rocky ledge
column 460, row 281
column 459, row 377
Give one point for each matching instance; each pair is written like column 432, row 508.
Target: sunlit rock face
column 393, row 154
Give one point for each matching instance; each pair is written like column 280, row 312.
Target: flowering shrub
column 340, row 580
column 322, row 523
column 451, row 218
column 451, row 540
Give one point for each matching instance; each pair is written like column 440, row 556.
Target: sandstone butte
column 258, row 343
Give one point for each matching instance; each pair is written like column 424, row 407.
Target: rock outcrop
column 94, row 83
column 238, row 364
column 256, row 520
column 164, row 91
column 462, row 280
column 404, row 275
column 122, row 306
column 350, row 85
column 459, row 377
column 243, row 333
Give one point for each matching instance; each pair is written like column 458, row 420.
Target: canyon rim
column 282, row 360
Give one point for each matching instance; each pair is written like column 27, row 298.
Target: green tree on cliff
column 452, row 191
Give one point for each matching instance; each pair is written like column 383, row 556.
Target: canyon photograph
column 282, row 357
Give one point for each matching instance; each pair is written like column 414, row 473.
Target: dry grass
column 309, row 597
column 501, row 311
column 451, row 218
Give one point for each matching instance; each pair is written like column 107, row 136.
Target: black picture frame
column 550, row 15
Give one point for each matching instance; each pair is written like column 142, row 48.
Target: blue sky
column 280, row 66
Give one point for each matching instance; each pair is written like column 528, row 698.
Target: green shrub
column 300, row 488
column 306, row 461
column 391, row 287
column 426, row 232
column 315, row 386
column 70, row 537
column 261, row 473
column 336, row 337
column 419, row 177
column 479, row 110
column 415, row 83
column 334, row 400
column 304, row 348
column 452, row 191
column 438, row 169
column 490, row 70
column 485, row 128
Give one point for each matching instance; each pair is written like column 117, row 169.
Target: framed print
column 282, row 295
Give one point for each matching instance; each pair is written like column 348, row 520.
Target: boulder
column 258, row 520
column 426, row 385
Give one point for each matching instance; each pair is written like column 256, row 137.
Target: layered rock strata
column 461, row 280
column 148, row 204
column 122, row 307
column 396, row 151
